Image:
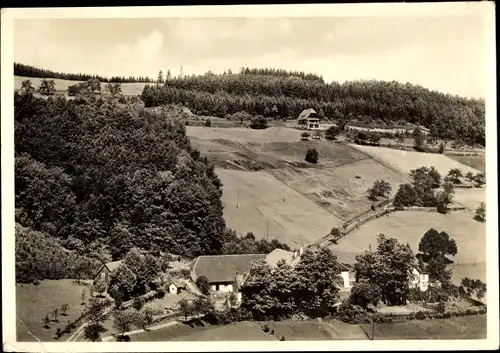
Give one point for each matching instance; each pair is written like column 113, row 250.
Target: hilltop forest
column 32, row 71
column 276, row 94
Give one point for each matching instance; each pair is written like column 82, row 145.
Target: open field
column 129, row 89
column 409, row 227
column 272, row 134
column 470, row 198
column 405, row 161
column 260, row 208
column 477, row 162
column 341, row 190
column 34, row 302
column 251, row 331
column 463, row 327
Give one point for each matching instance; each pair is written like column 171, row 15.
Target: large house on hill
column 309, row 118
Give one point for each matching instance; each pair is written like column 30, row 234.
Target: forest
column 280, row 96
column 31, row 71
column 101, row 176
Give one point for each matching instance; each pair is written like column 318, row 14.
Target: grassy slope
column 317, row 197
column 409, row 227
column 34, row 302
column 464, row 327
column 406, row 161
column 476, row 162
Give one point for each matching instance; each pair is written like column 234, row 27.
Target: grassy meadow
column 33, row 302
column 409, row 227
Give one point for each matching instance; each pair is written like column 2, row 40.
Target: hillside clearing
column 33, row 302
column 272, row 134
column 129, row 89
column 409, row 227
column 260, row 209
column 405, row 161
column 341, row 190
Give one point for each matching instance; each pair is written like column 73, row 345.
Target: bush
column 441, row 307
column 203, row 285
column 258, row 123
column 331, row 133
column 420, row 315
column 125, row 338
column 208, row 123
column 282, row 338
column 364, row 294
column 160, row 293
column 312, row 156
column 266, row 328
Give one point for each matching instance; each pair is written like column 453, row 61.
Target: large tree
column 318, row 281
column 434, row 250
column 389, row 268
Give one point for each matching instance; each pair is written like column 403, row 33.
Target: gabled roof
column 306, row 113
column 279, row 254
column 179, row 283
column 223, row 268
column 113, row 265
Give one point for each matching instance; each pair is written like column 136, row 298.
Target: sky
column 440, row 53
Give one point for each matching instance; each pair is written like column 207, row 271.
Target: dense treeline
column 31, row 71
column 39, row 257
column 92, row 172
column 280, row 73
column 372, row 102
column 104, row 176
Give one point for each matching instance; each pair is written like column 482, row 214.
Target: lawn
column 267, row 206
column 341, row 190
column 409, row 227
column 34, row 302
column 129, row 89
column 404, row 161
column 239, row 331
column 463, row 327
column 314, row 330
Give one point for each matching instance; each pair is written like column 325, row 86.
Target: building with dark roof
column 309, row 118
column 224, row 272
column 106, row 269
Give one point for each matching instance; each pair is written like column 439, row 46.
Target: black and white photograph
column 271, row 177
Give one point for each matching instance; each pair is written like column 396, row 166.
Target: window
column 216, row 287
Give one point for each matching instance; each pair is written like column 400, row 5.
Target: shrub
column 208, row 123
column 258, row 123
column 185, row 273
column 160, row 293
column 331, row 133
column 203, row 285
column 364, row 294
column 441, row 307
column 312, row 156
column 266, row 328
column 305, row 136
column 282, row 338
column 420, row 315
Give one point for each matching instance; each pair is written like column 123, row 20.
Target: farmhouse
column 176, row 286
column 309, row 118
column 419, row 279
column 106, row 269
column 224, row 272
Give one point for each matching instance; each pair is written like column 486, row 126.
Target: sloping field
column 239, row 331
column 260, row 208
column 409, row 227
column 272, row 134
column 405, row 161
column 462, row 327
column 33, row 302
column 316, row 331
column 129, row 89
column 477, row 162
column 341, row 190
column 470, row 198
